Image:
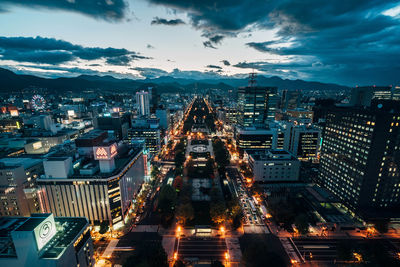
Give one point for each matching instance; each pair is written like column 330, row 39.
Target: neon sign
column 105, row 152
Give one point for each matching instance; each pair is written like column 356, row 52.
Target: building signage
column 45, row 231
column 105, row 152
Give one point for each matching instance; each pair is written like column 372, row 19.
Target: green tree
column 256, row 254
column 104, row 226
column 382, row 226
column 155, row 171
column 301, row 223
column 148, row 254
column 217, row 264
column 218, row 212
column 184, row 213
column 167, row 198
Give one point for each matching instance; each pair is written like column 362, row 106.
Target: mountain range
column 12, row 82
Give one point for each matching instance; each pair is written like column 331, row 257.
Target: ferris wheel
column 38, row 102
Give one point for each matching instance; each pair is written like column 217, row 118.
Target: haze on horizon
column 352, row 42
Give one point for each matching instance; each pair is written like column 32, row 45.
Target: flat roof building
column 42, row 240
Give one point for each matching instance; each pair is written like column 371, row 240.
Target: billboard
column 105, row 152
column 45, row 231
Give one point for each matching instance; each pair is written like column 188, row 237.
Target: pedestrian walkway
column 291, row 250
column 233, row 246
column 110, row 248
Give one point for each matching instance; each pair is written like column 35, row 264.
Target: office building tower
column 256, row 105
column 290, row 99
column 42, row 240
column 251, row 139
column 117, row 126
column 360, row 157
column 304, row 142
column 163, row 115
column 363, row 95
column 147, row 130
column 18, row 192
column 143, row 103
column 102, row 188
column 274, row 166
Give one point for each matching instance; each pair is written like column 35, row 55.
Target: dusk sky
column 346, row 42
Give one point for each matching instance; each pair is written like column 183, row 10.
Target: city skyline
column 352, row 44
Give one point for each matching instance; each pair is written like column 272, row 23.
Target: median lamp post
column 222, row 230
column 227, row 258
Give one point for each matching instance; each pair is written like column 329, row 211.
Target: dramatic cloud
column 214, row 67
column 150, row 72
column 53, row 51
column 352, row 42
column 109, row 10
column 226, row 62
column 172, row 22
column 208, row 44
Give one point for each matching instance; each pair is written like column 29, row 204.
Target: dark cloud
column 177, row 73
column 344, row 41
column 171, row 22
column 150, row 72
column 58, row 71
column 109, row 10
column 216, row 39
column 226, row 62
column 208, row 44
column 53, row 51
column 149, row 46
column 214, row 67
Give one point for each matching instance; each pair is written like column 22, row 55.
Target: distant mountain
column 9, row 81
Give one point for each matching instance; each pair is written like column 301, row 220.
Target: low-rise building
column 42, row 240
column 274, row 166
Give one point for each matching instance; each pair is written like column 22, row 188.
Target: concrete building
column 250, row 138
column 163, row 115
column 45, row 241
column 256, row 106
column 117, row 126
column 100, row 189
column 18, row 193
column 360, row 158
column 290, row 99
column 143, row 103
column 274, row 166
column 363, row 95
column 146, row 129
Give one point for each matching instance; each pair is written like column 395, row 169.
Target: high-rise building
column 163, row 115
column 251, row 139
column 290, row 99
column 303, row 141
column 256, row 105
column 360, row 157
column 117, row 126
column 18, row 194
column 143, row 103
column 147, row 130
column 363, row 95
column 42, row 240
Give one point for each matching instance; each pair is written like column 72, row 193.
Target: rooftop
column 68, row 230
column 13, row 162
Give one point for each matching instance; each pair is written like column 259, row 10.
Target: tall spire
column 252, row 79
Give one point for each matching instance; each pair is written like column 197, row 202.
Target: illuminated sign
column 37, row 145
column 105, row 152
column 45, row 231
